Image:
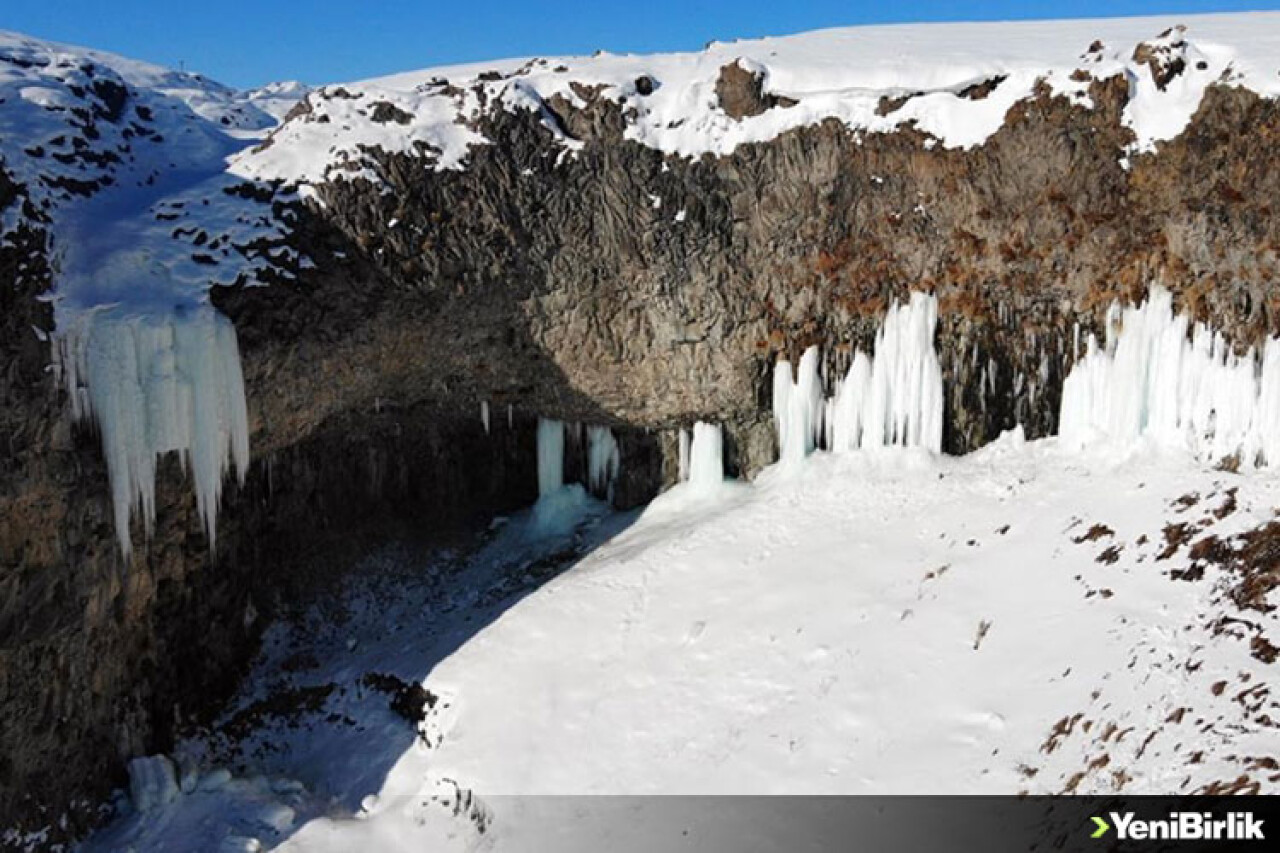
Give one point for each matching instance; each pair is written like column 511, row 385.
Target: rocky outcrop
column 740, row 91
column 612, row 285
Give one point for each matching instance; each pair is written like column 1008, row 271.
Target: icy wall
column 1161, row 378
column 893, row 398
column 155, row 384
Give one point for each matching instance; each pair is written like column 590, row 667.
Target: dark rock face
column 556, row 286
column 741, row 92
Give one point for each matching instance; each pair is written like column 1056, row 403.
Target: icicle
column 154, row 385
column 893, row 399
column 511, row 417
column 550, row 456
column 1179, row 385
column 604, row 460
column 684, row 455
column 706, row 456
column 798, row 407
column 484, row 415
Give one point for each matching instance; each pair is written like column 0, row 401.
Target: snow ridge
column 1164, row 380
column 953, row 82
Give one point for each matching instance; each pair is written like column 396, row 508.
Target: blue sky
column 246, row 43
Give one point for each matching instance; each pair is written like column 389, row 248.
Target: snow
column 155, row 384
column 839, row 74
column 860, row 623
column 1163, row 379
column 893, row 399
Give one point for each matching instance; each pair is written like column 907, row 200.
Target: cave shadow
column 333, row 701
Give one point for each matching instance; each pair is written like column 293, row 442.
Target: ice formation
column 550, row 456
column 706, row 456
column 891, row 399
column 603, row 460
column 484, row 415
column 684, row 455
column 798, row 406
column 152, row 782
column 155, row 384
column 1179, row 384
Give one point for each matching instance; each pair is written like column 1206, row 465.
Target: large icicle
column 891, row 399
column 706, row 456
column 550, row 456
column 1164, row 379
column 155, row 384
column 798, row 406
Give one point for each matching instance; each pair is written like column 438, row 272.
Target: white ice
column 1165, row 380
column 604, row 460
column 550, row 456
column 706, row 456
column 154, row 384
column 893, row 399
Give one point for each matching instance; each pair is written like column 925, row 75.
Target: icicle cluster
column 1179, row 384
column 603, row 460
column 159, row 384
column 603, row 456
column 891, row 399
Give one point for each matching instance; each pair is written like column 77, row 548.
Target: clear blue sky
column 245, row 43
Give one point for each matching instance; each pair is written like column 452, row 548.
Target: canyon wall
column 558, row 286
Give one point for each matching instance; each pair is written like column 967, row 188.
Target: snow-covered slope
column 879, row 622
column 1039, row 617
column 953, row 81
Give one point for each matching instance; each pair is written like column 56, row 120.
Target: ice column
column 550, row 456
column 798, row 406
column 684, row 455
column 156, row 384
column 706, row 456
column 891, row 399
column 604, row 460
column 1160, row 377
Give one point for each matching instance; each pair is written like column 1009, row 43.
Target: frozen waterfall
column 1179, row 384
column 603, row 460
column 706, row 456
column 550, row 456
column 155, row 384
column 893, row 398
